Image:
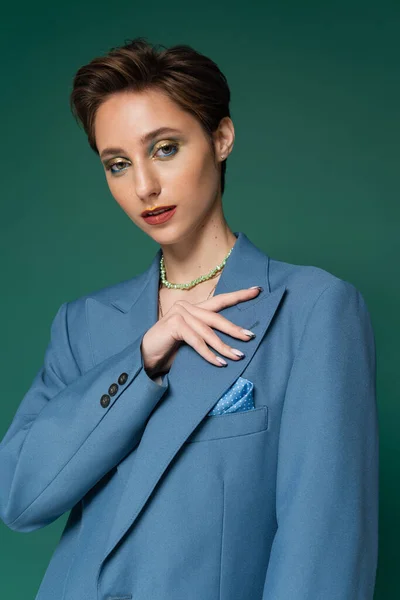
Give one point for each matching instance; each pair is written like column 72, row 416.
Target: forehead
column 136, row 113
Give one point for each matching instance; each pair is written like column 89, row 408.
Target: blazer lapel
column 188, row 399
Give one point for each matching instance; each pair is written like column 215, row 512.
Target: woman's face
column 169, row 168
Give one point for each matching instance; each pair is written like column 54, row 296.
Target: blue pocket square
column 237, row 398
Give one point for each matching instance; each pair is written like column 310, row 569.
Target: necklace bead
column 190, row 284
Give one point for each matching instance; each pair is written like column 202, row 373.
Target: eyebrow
column 143, row 140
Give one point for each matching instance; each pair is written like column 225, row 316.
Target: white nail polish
column 221, row 360
column 248, row 332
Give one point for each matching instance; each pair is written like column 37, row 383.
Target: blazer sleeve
column 61, row 440
column 326, row 543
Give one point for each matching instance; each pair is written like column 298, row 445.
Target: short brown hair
column 189, row 78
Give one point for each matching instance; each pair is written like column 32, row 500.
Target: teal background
column 313, row 179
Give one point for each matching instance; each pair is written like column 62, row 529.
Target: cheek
column 123, row 194
column 120, row 193
column 195, row 177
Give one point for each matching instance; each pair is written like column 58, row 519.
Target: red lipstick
column 151, row 216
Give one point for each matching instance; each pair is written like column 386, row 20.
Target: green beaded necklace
column 188, row 286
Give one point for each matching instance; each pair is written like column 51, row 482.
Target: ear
column 224, row 138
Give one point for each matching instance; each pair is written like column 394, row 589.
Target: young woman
column 212, row 439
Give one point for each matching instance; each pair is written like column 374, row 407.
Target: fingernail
column 256, row 286
column 248, row 332
column 221, row 360
column 237, row 352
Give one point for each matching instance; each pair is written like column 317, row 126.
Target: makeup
column 161, row 218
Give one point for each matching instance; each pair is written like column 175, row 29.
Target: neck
column 198, row 254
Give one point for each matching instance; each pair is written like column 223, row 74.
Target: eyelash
column 118, row 162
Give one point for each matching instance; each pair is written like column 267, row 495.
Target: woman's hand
column 192, row 323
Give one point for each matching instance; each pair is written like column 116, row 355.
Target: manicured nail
column 256, row 286
column 221, row 360
column 248, row 332
column 237, row 352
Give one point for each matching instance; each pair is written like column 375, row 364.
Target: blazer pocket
column 238, row 397
column 230, row 425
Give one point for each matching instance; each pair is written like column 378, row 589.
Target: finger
column 209, row 336
column 211, row 319
column 190, row 336
column 220, row 301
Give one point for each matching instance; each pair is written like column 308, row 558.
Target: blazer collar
column 135, row 309
column 246, row 266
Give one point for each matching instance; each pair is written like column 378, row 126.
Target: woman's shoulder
column 308, row 278
column 306, row 285
column 107, row 294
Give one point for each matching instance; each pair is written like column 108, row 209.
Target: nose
column 146, row 180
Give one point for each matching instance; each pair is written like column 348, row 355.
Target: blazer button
column 113, row 389
column 105, row 400
column 122, row 378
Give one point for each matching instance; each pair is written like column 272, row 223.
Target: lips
column 159, row 219
column 147, row 213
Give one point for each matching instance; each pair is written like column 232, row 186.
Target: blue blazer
column 168, row 503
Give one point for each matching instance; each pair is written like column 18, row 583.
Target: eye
column 171, row 149
column 166, row 147
column 118, row 162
